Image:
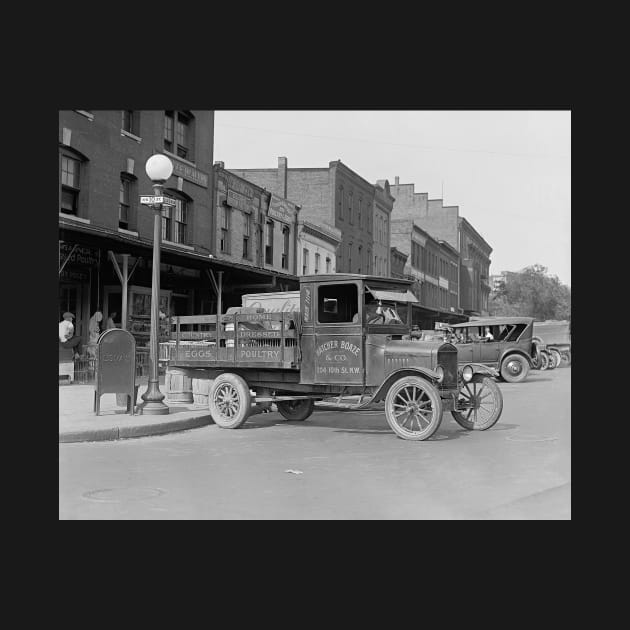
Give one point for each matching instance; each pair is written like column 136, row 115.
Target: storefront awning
column 393, row 296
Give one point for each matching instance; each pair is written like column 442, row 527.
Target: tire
column 567, row 357
column 296, row 409
column 544, row 361
column 552, row 361
column 535, row 358
column 557, row 357
column 487, row 407
column 514, row 368
column 229, row 401
column 413, row 400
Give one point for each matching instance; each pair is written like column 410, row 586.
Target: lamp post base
column 153, row 409
column 153, row 397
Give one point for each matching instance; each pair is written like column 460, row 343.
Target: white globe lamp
column 159, row 168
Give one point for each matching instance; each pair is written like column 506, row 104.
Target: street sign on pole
column 150, row 200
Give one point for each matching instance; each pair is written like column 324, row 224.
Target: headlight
column 467, row 373
column 440, row 373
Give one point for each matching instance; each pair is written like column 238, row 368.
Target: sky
column 508, row 171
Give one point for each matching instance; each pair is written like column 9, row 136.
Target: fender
column 516, row 351
column 425, row 373
column 480, row 368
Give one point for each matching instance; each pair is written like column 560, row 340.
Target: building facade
column 444, row 223
column 317, row 248
column 398, row 260
column 433, row 266
column 383, row 205
column 255, row 228
column 106, row 235
column 334, row 196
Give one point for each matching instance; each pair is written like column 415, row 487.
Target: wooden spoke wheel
column 229, row 401
column 483, row 401
column 413, row 408
column 296, row 409
column 514, row 368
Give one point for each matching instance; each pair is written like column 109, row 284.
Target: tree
column 532, row 293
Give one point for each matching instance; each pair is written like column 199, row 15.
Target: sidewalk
column 79, row 423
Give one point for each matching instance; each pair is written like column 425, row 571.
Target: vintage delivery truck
column 346, row 342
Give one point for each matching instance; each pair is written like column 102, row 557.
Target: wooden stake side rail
column 240, row 340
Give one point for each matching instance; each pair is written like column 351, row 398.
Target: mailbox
column 115, row 367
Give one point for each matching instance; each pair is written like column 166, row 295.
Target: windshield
column 376, row 313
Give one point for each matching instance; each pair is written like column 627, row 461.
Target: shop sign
column 190, row 173
column 80, row 255
column 74, row 275
column 236, row 200
column 281, row 209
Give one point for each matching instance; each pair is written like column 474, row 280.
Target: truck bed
column 241, row 340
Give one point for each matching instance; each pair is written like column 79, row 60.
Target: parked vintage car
column 509, row 347
column 556, row 336
column 345, row 346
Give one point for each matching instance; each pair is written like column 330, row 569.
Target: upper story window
column 70, row 185
column 350, row 258
column 178, row 134
column 328, row 261
column 125, row 202
column 129, row 121
column 359, row 211
column 317, row 259
column 225, row 230
column 175, row 219
column 340, row 203
column 269, row 243
column 305, row 262
column 350, row 202
column 360, row 258
column 247, row 230
column 285, row 247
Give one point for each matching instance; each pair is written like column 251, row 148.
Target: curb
column 124, row 432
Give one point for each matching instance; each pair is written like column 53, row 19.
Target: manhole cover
column 120, row 495
column 530, row 438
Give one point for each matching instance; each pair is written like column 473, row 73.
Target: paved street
column 352, row 467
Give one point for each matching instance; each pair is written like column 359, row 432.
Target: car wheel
column 567, row 357
column 552, row 361
column 484, row 400
column 413, row 408
column 296, row 409
column 229, row 401
column 557, row 357
column 514, row 368
column 544, row 361
column 535, row 358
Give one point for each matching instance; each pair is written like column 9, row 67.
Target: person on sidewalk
column 110, row 320
column 94, row 329
column 67, row 338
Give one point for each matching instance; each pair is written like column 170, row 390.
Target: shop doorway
column 71, row 299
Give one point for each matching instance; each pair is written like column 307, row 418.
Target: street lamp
column 159, row 168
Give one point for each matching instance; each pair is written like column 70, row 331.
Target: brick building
column 106, row 235
column 383, row 204
column 255, row 228
column 334, row 196
column 444, row 223
column 433, row 266
column 317, row 248
column 398, row 260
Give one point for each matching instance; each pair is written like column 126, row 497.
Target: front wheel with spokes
column 481, row 403
column 413, row 408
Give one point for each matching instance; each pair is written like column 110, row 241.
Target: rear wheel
column 544, row 360
column 514, row 368
column 229, row 401
column 566, row 355
column 552, row 361
column 296, row 409
column 557, row 357
column 413, row 408
column 484, row 400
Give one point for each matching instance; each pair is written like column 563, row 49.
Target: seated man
column 488, row 336
column 67, row 339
